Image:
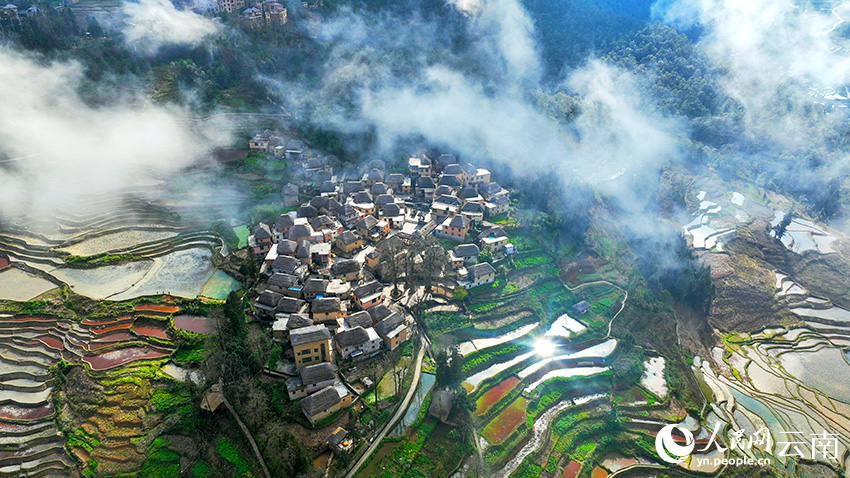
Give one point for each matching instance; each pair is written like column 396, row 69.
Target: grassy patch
column 79, row 438
column 201, row 470
column 530, row 261
column 480, row 359
column 442, row 322
column 161, row 462
column 242, row 233
column 98, row 259
column 189, row 352
column 434, row 449
column 166, row 400
column 227, row 450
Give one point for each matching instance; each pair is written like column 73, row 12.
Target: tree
column 250, row 269
column 254, row 402
column 434, row 262
column 376, row 379
column 780, row 228
column 464, row 406
column 460, row 293
column 391, row 249
column 485, row 256
column 283, row 453
column 95, row 30
column 398, row 379
column 234, row 358
column 449, row 363
column 411, row 262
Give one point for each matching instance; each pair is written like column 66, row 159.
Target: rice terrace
column 425, row 239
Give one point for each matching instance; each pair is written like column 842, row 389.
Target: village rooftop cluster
column 322, row 263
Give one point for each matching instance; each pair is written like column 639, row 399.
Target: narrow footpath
column 247, row 434
column 399, row 413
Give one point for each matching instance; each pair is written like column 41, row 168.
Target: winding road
column 399, row 413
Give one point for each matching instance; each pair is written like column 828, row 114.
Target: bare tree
column 434, row 261
column 377, row 382
column 412, row 262
column 391, row 264
column 254, row 402
column 261, row 342
column 398, row 377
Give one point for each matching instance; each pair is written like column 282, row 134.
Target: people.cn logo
column 668, row 449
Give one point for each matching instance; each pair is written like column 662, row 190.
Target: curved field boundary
column 622, row 306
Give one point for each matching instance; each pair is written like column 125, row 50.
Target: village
column 332, row 267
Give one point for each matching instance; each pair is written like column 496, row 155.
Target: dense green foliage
column 230, row 453
column 449, row 367
column 628, row 364
column 571, row 29
column 161, row 462
column 686, row 279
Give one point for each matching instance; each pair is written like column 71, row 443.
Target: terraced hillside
column 780, row 310
column 116, row 250
column 31, row 443
column 105, row 366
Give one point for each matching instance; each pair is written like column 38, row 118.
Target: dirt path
column 400, row 411
column 622, row 306
column 247, row 435
column 479, row 451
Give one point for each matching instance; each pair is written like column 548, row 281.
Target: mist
column 56, row 150
column 383, row 76
column 786, row 65
column 779, row 59
column 152, row 24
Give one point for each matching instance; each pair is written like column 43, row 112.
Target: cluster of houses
column 281, row 146
column 255, row 13
column 326, row 318
column 458, row 194
column 264, row 14
column 321, row 305
column 11, row 16
column 320, row 259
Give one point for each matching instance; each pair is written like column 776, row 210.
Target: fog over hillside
column 398, row 77
column 466, row 238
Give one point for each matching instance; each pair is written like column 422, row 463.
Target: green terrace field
column 242, row 234
column 430, row 448
column 501, row 307
column 538, row 285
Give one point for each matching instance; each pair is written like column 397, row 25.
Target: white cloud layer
column 58, row 150
column 152, row 24
column 779, row 59
column 617, row 133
